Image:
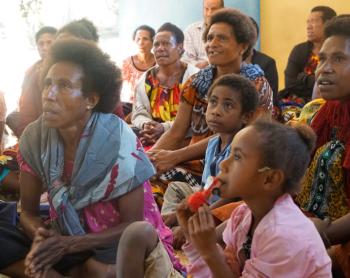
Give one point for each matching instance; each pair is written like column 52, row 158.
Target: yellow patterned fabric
column 323, row 187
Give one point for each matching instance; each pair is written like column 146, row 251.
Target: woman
column 326, row 188
column 92, row 166
column 229, row 38
column 134, row 66
column 157, row 95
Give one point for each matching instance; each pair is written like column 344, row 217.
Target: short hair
column 147, row 28
column 338, row 26
column 248, row 94
column 241, row 25
column 176, row 31
column 101, row 75
column 45, row 30
column 327, row 12
column 222, row 3
column 256, row 26
column 82, row 28
column 286, row 148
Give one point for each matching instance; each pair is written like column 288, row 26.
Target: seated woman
column 229, row 38
column 326, row 188
column 92, row 166
column 157, row 95
column 134, row 66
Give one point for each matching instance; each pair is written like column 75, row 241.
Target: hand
column 202, row 64
column 163, row 160
column 183, row 214
column 47, row 249
column 178, row 237
column 322, row 226
column 150, row 133
column 170, row 219
column 201, row 230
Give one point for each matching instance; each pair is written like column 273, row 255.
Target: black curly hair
column 172, row 28
column 286, row 148
column 82, row 28
column 101, row 75
column 247, row 92
column 241, row 25
column 338, row 26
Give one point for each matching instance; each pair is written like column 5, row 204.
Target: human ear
column 248, row 117
column 92, row 101
column 180, row 48
column 273, row 180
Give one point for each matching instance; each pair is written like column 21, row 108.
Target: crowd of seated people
column 104, row 187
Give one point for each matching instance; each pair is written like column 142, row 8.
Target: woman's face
column 64, row 104
column 333, row 70
column 144, row 41
column 166, row 49
column 222, row 47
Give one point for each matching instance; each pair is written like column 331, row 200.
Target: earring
column 88, row 107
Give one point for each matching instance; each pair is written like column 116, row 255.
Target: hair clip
column 264, row 169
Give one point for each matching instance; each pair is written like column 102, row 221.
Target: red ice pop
column 200, row 198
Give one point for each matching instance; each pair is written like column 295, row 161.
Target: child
column 232, row 103
column 268, row 236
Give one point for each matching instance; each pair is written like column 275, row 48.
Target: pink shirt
column 285, row 244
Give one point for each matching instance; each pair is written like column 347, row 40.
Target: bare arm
column 173, row 138
column 338, row 231
column 31, row 189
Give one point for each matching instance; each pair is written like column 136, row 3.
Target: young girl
column 232, row 103
column 268, row 236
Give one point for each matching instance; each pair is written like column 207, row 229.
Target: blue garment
column 213, row 158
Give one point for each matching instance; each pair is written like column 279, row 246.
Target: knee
column 140, row 233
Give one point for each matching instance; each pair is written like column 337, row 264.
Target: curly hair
column 82, row 28
column 147, row 28
column 241, row 25
column 286, row 148
column 101, row 75
column 172, row 28
column 338, row 26
column 239, row 85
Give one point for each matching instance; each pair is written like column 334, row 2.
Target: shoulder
column 262, row 58
column 302, row 48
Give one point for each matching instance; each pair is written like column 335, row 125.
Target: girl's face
column 224, row 111
column 333, row 70
column 222, row 47
column 240, row 176
column 144, row 41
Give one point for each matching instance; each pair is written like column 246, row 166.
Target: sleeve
column 271, row 75
column 197, row 267
column 295, row 67
column 188, row 94
column 265, row 93
column 141, row 113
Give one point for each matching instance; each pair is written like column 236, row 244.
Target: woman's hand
column 201, row 230
column 163, row 160
column 150, row 133
column 47, row 249
column 322, row 226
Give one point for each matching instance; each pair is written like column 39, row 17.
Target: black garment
column 296, row 80
column 268, row 65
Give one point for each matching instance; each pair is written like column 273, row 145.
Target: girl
column 268, row 236
column 232, row 103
